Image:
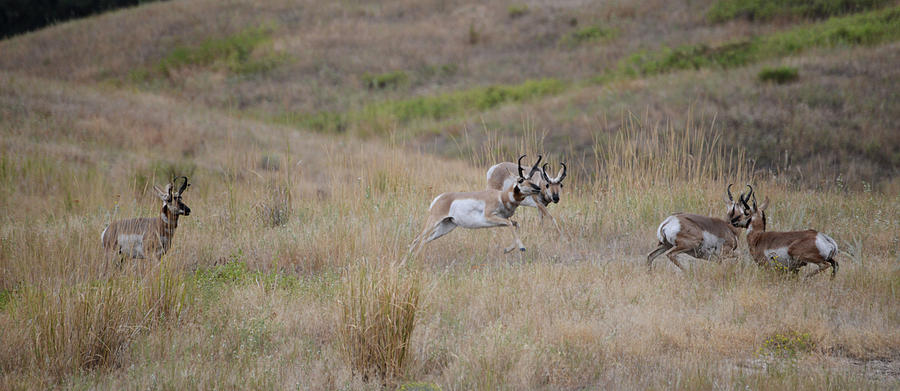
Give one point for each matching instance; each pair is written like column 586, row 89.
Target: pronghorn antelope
column 148, row 236
column 478, row 209
column 500, row 176
column 789, row 250
column 696, row 235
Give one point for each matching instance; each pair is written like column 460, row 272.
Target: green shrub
column 779, row 75
column 234, row 53
column 588, row 34
column 385, row 80
column 763, row 10
column 788, row 345
column 517, row 10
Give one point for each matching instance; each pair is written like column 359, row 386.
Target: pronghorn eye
column 547, row 186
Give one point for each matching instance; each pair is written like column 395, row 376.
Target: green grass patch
column 517, row 10
column 779, row 75
column 588, row 34
column 764, row 10
column 385, row 80
column 788, row 345
column 477, row 99
column 241, row 53
column 235, row 272
column 862, row 29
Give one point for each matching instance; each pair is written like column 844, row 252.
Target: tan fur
column 800, row 246
column 690, row 237
column 550, row 191
column 499, row 206
column 155, row 234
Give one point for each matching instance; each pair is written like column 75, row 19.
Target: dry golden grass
column 259, row 305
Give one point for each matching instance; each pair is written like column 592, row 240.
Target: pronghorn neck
column 169, row 219
column 513, row 195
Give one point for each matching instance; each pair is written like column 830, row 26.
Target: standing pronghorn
column 790, row 250
column 696, row 235
column 148, row 236
column 500, row 176
column 478, row 209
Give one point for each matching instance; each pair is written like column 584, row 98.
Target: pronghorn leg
column 834, row 267
column 432, row 231
column 672, row 254
column 512, row 227
column 655, row 253
column 822, row 266
column 544, row 212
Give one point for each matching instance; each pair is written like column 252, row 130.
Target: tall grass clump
column 645, row 153
column 72, row 328
column 764, row 10
column 378, row 307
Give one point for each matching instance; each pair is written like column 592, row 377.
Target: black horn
column 521, row 172
column 563, row 175
column 728, row 191
column 535, row 167
column 184, row 185
column 544, row 173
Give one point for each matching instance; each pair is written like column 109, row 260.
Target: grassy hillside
column 312, row 166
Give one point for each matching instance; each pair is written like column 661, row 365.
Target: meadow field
column 315, row 135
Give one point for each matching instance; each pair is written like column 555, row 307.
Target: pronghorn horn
column 544, row 173
column 184, row 185
column 562, row 175
column 752, row 195
column 535, row 166
column 728, row 191
column 521, row 172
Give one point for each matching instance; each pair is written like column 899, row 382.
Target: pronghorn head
column 527, row 184
column 552, row 186
column 172, row 199
column 751, row 214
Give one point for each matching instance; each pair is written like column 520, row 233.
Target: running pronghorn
column 500, row 176
column 148, row 236
column 477, row 209
column 790, row 250
column 698, row 236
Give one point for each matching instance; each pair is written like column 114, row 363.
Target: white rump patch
column 490, row 171
column 826, row 245
column 469, row 214
column 668, row 230
column 131, row 245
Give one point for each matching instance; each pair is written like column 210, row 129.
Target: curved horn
column 535, row 166
column 544, row 173
column 728, row 191
column 752, row 195
column 562, row 175
column 184, row 185
column 521, row 172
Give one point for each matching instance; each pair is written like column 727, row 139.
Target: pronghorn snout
column 556, row 198
column 186, row 210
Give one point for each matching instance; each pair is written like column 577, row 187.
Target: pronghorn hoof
column 522, row 249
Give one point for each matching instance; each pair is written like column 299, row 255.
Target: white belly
column 469, row 214
column 780, row 256
column 131, row 245
column 711, row 244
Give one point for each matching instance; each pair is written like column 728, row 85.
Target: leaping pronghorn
column 478, row 209
column 500, row 176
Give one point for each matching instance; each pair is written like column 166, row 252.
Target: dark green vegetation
column 763, row 10
column 19, row 16
column 779, row 75
column 864, row 29
column 237, row 53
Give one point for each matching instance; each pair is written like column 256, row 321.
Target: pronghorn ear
column 164, row 195
column 764, row 205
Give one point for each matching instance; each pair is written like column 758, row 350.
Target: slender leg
column 834, row 267
column 672, row 255
column 544, row 212
column 822, row 266
column 499, row 221
column 655, row 253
